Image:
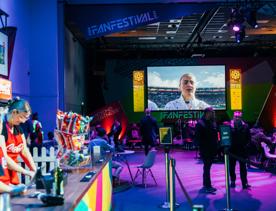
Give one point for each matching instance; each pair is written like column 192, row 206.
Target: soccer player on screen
column 187, row 100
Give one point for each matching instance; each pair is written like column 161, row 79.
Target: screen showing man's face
column 187, row 86
column 168, row 86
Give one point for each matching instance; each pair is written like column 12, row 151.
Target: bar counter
column 93, row 195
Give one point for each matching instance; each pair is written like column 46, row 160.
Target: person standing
column 240, row 136
column 36, row 134
column 7, row 165
column 115, row 132
column 27, row 128
column 149, row 130
column 19, row 111
column 206, row 137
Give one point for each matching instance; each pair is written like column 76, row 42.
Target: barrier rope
column 184, row 190
column 245, row 160
column 248, row 161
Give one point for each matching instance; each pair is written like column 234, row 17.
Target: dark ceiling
column 196, row 33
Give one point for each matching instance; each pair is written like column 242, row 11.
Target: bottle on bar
column 58, row 180
column 5, row 203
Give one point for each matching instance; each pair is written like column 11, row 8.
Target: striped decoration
column 99, row 195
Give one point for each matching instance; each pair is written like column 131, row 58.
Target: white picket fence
column 47, row 162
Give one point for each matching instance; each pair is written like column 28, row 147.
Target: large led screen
column 186, row 87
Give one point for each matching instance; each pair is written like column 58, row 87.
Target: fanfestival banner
column 99, row 20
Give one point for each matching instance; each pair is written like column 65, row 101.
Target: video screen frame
column 223, row 66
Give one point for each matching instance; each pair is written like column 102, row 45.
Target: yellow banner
column 165, row 134
column 236, row 89
column 138, row 90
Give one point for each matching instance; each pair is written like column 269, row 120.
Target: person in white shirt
column 187, row 99
column 152, row 106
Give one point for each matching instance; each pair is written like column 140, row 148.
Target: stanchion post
column 167, row 177
column 225, row 141
column 166, row 204
column 172, row 184
column 228, row 197
column 226, row 165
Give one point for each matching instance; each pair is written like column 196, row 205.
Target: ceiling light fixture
column 169, row 38
column 240, row 35
column 237, row 20
column 175, row 21
column 173, row 25
column 236, row 28
column 170, row 32
column 146, row 38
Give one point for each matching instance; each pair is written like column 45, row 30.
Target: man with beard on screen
column 187, row 99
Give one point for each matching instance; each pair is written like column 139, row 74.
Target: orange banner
column 5, row 89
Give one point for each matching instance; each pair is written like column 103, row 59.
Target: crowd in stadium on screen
column 213, row 96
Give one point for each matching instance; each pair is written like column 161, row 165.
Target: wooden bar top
column 74, row 190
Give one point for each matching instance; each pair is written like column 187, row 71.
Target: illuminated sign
column 106, row 116
column 99, row 20
column 235, row 89
column 108, row 111
column 5, row 89
column 171, row 115
column 225, row 135
column 122, row 23
column 138, row 90
column 165, row 134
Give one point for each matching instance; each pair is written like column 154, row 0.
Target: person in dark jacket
column 206, row 137
column 115, row 132
column 149, row 130
column 240, row 136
